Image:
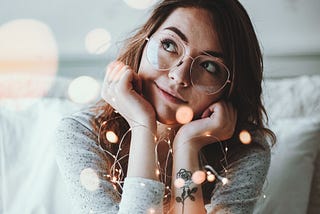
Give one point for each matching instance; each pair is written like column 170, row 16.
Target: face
column 169, row 89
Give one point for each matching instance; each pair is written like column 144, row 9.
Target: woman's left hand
column 217, row 123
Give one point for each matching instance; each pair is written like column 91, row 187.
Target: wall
column 288, row 30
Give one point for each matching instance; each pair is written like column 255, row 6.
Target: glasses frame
column 183, row 56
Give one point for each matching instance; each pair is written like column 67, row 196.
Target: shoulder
column 76, row 130
column 82, row 118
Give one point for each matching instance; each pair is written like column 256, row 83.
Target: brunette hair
column 241, row 52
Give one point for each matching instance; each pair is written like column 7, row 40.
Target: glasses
column 207, row 73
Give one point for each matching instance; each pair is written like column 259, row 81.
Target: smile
column 170, row 97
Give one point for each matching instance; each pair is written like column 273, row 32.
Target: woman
column 174, row 103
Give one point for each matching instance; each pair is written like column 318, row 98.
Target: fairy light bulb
column 211, row 177
column 198, row 177
column 83, row 89
column 179, row 182
column 224, row 181
column 245, row 137
column 139, row 4
column 114, row 179
column 89, row 179
column 151, row 211
column 98, row 41
column 157, row 172
column 111, row 137
column 184, row 114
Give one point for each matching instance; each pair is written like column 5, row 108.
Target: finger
column 126, row 79
column 110, row 68
column 113, row 74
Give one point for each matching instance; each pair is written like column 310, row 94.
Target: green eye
column 169, row 46
column 211, row 67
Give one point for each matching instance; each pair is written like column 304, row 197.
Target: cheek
column 145, row 70
column 201, row 102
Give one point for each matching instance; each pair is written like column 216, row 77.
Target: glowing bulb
column 28, row 59
column 179, row 182
column 89, row 179
column 114, row 179
column 245, row 137
column 224, row 181
column 142, row 184
column 139, row 4
column 264, row 196
column 98, row 41
column 83, row 89
column 211, row 177
column 111, row 137
column 151, row 211
column 184, row 114
column 157, row 172
column 198, row 177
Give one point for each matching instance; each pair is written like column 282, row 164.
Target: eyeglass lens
column 165, row 51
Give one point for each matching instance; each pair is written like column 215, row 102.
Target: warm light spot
column 111, row 137
column 198, row 177
column 89, row 179
column 151, row 211
column 245, row 137
column 139, row 4
column 157, row 172
column 83, row 89
column 179, row 182
column 211, row 177
column 98, row 41
column 184, row 114
column 224, row 181
column 28, row 59
column 114, row 179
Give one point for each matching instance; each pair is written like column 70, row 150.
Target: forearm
column 142, row 162
column 188, row 198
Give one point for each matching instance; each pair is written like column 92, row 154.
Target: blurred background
column 81, row 37
column 53, row 55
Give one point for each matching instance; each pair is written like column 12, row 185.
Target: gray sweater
column 77, row 151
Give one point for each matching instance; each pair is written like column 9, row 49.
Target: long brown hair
column 242, row 55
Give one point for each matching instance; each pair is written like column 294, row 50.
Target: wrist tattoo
column 187, row 190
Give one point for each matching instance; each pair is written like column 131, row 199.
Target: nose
column 180, row 74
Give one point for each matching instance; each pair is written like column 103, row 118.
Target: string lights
column 116, row 173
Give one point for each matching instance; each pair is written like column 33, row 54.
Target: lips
column 171, row 96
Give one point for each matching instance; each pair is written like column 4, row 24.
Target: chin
column 166, row 120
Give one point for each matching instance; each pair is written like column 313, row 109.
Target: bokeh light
column 140, row 4
column 28, row 59
column 198, row 177
column 89, row 179
column 111, row 137
column 83, row 89
column 224, row 181
column 184, row 114
column 151, row 211
column 98, row 41
column 211, row 177
column 245, row 137
column 179, row 183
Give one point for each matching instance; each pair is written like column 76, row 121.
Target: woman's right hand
column 122, row 90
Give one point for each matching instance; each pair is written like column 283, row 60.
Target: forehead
column 196, row 24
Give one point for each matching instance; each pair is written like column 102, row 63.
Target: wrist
column 185, row 144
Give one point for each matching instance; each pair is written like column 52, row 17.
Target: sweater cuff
column 142, row 195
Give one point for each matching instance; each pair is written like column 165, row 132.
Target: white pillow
column 30, row 179
column 292, row 97
column 290, row 175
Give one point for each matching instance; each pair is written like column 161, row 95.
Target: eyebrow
column 185, row 39
column 178, row 32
